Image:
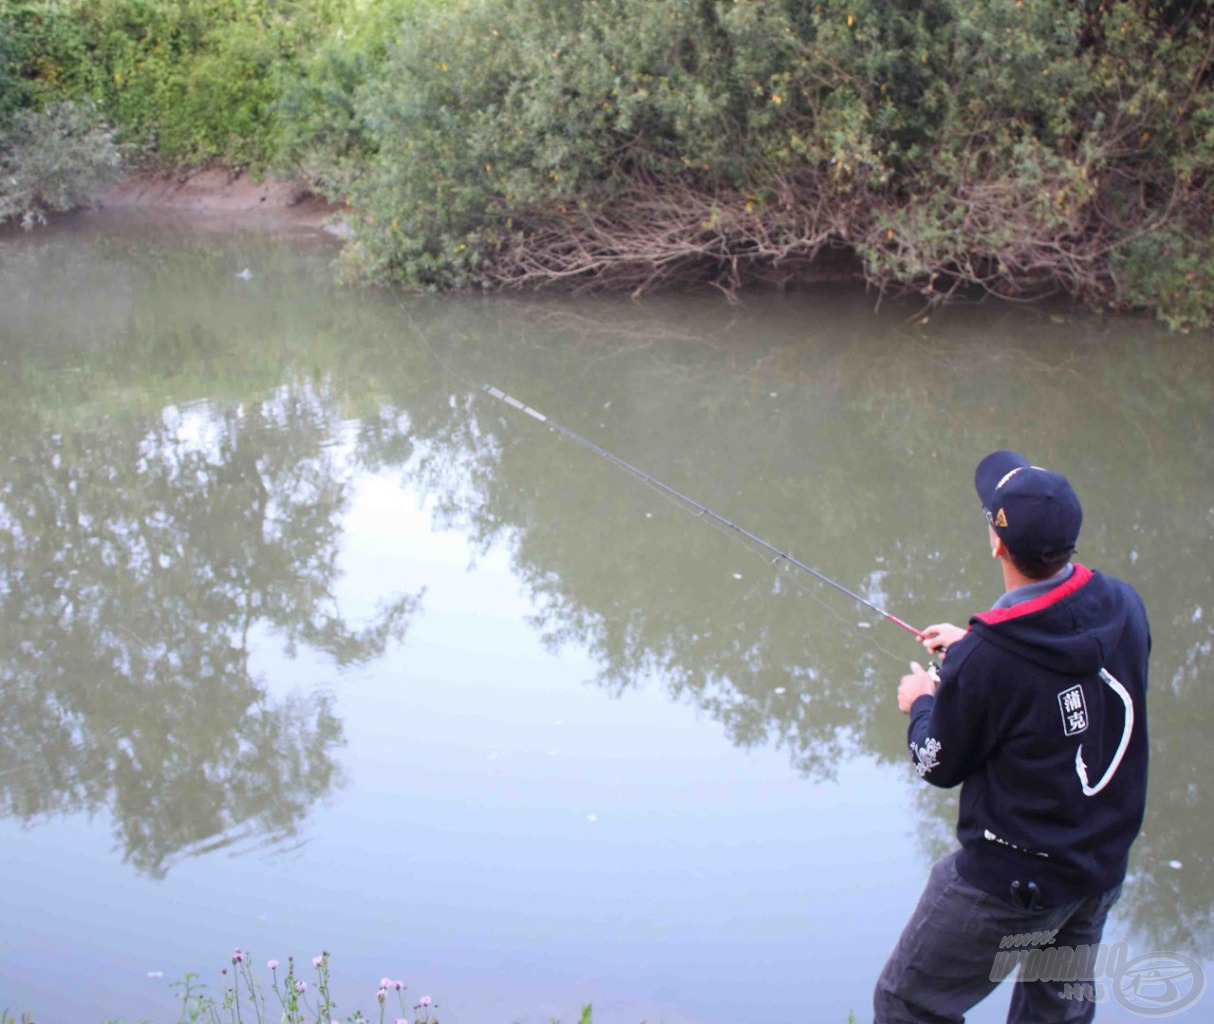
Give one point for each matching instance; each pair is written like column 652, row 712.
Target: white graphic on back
column 1081, row 769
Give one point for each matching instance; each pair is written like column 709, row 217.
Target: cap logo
column 1001, row 519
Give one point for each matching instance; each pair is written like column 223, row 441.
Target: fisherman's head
column 1034, row 512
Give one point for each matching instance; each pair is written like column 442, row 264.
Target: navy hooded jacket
column 1040, row 714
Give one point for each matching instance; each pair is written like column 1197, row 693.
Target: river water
column 307, row 643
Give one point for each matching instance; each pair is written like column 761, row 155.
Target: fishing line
column 785, row 572
column 725, row 526
column 703, row 510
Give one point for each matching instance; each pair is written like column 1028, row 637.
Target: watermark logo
column 1160, row 984
column 1156, row 984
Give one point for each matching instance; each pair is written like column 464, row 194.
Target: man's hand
column 914, row 686
column 940, row 637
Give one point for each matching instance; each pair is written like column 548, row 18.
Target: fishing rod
column 702, row 509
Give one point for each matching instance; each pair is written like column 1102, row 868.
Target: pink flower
column 385, row 982
column 401, row 1020
column 272, row 964
column 237, row 957
column 317, row 961
column 424, row 1001
column 398, row 985
column 301, row 986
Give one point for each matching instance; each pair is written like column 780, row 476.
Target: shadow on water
column 144, row 536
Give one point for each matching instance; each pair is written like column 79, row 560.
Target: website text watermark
column 1156, row 984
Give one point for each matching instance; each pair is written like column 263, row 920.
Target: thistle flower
column 424, row 1001
column 317, row 961
column 301, row 987
column 385, row 982
column 237, row 957
column 272, row 964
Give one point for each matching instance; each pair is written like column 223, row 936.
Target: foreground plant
column 300, row 1001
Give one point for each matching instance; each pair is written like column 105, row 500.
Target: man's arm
column 948, row 733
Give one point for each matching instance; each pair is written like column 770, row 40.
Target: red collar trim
column 1078, row 578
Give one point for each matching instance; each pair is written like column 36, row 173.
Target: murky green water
column 306, row 643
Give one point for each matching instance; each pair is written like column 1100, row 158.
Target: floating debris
column 1175, row 865
column 245, row 275
column 779, row 691
column 737, row 575
column 864, row 625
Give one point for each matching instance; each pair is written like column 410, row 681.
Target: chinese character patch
column 1074, row 711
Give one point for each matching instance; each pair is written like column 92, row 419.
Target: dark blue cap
column 1035, row 512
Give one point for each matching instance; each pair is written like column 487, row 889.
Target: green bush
column 488, row 114
column 322, row 130
column 193, row 80
column 14, row 91
column 1018, row 148
column 55, row 160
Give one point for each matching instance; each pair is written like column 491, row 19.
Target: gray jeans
column 943, row 962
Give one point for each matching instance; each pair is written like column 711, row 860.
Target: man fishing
column 1040, row 714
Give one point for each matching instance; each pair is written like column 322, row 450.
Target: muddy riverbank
column 218, row 194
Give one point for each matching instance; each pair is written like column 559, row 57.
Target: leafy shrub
column 194, row 80
column 1018, row 148
column 323, row 132
column 14, row 93
column 55, row 160
column 1021, row 149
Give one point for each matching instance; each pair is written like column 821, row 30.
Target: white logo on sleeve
column 926, row 756
column 1081, row 769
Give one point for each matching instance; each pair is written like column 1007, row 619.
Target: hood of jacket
column 1068, row 630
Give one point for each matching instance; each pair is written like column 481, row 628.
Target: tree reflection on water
column 138, row 558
